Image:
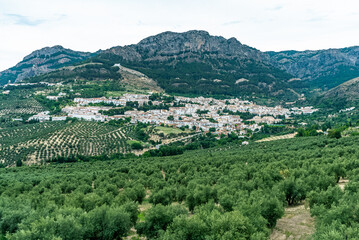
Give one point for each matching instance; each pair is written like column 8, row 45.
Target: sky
column 90, row 25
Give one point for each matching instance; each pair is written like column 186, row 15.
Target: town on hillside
column 220, row 116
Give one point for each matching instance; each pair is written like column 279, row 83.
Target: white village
column 199, row 114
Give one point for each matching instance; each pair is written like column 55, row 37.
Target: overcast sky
column 89, row 25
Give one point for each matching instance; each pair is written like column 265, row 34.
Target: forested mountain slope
column 346, row 94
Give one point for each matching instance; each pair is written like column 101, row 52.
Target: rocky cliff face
column 322, row 68
column 167, row 45
column 42, row 61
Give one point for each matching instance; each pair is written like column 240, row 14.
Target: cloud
column 231, row 23
column 277, row 8
column 316, row 19
column 23, row 20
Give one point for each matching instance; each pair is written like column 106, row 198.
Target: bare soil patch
column 342, row 182
column 295, row 224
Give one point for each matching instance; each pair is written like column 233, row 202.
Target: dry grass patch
column 295, row 224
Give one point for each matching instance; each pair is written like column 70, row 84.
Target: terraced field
column 35, row 143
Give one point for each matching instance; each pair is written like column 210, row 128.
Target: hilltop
column 192, row 62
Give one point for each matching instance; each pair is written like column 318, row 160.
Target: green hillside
column 344, row 95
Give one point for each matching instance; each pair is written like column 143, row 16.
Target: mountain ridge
column 42, row 61
column 326, row 68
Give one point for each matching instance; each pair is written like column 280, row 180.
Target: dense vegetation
column 220, row 193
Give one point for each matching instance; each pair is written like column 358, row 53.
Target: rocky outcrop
column 168, row 45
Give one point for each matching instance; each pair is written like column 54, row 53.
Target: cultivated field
column 19, row 103
column 34, row 143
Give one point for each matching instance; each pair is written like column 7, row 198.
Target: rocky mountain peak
column 46, row 51
column 193, row 41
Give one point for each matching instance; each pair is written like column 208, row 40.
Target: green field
column 227, row 192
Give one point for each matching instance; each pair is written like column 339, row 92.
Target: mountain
column 43, row 61
column 319, row 69
column 343, row 95
column 195, row 62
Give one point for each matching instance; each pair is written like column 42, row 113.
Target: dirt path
column 163, row 174
column 342, row 182
column 295, row 224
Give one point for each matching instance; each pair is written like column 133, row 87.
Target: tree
column 107, row 223
column 136, row 146
column 338, row 170
column 271, row 209
column 187, row 228
column 226, row 202
column 157, row 219
column 335, row 133
column 163, row 196
column 293, row 190
column 18, row 163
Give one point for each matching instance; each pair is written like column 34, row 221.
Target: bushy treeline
column 227, row 192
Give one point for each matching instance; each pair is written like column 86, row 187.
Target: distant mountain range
column 320, row 69
column 195, row 62
column 43, row 61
